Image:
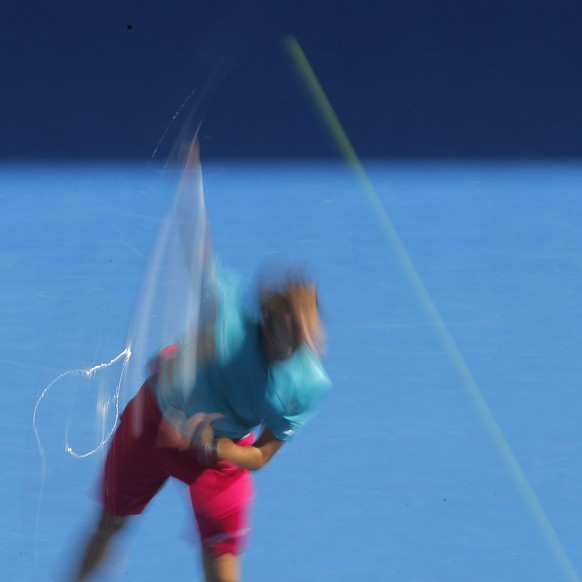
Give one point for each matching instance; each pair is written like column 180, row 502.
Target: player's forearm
column 251, row 458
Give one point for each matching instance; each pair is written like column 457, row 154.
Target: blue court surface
column 449, row 448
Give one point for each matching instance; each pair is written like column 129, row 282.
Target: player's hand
column 203, row 437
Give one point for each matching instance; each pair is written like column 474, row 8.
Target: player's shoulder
column 305, row 362
column 301, row 379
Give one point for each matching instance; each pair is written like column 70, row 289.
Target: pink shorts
column 146, row 450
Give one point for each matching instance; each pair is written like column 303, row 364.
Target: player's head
column 290, row 316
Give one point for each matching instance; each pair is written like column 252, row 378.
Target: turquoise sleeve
column 295, row 391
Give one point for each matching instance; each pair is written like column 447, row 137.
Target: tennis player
column 254, row 369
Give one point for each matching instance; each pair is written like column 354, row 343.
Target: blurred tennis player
column 193, row 418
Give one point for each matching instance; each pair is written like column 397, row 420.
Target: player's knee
column 227, row 544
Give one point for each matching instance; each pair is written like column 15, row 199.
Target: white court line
column 339, row 136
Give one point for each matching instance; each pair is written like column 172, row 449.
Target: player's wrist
column 208, row 452
column 219, row 447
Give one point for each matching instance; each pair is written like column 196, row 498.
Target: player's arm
column 252, row 458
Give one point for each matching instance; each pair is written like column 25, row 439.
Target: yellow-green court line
column 340, row 138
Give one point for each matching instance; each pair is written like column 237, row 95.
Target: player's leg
column 131, row 477
column 221, row 497
column 223, row 568
column 108, row 526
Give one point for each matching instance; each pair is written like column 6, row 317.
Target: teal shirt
column 242, row 387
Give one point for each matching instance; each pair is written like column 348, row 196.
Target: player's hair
column 296, row 296
column 293, row 291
